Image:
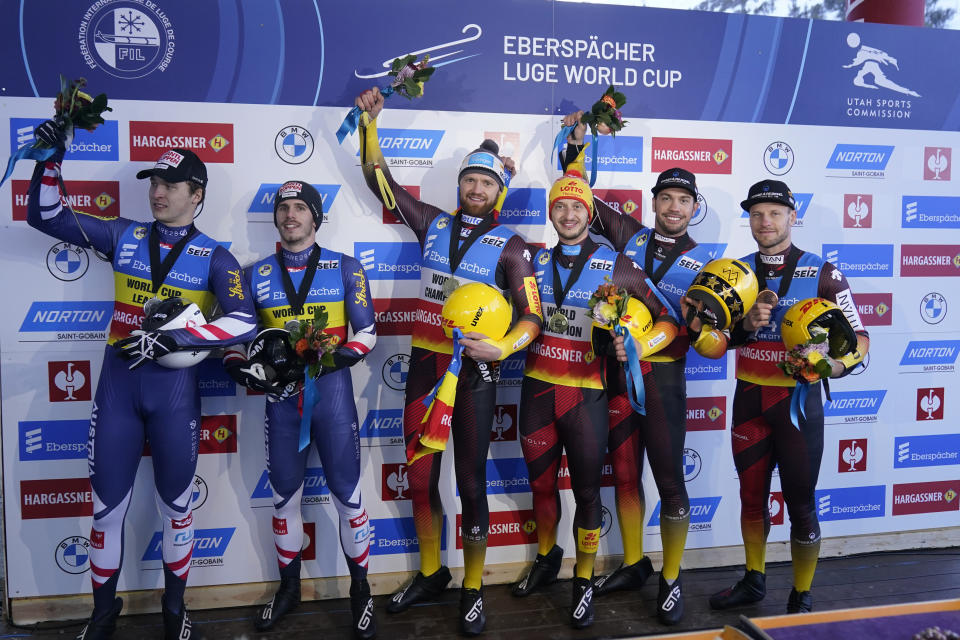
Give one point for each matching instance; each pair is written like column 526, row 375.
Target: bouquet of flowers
column 409, row 75
column 310, row 342
column 608, row 304
column 605, row 113
column 808, row 362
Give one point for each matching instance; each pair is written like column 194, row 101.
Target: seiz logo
column 624, row 201
column 776, row 505
column 699, row 155
column 398, row 535
column 852, row 456
column 394, row 483
column 926, row 497
column 199, row 252
column 522, row 205
column 394, row 316
column 875, row 309
column 857, row 210
column 926, row 451
column 384, row 426
column 69, row 380
column 389, row 260
column 100, row 145
column 860, row 259
column 930, row 260
column 209, row 547
column 493, row 241
column 601, row 265
column 267, row 193
column 95, row 197
column 60, row 498
column 504, row 427
column 930, row 212
column 930, row 403
column 702, row 511
column 388, row 218
column 506, row 528
column 689, row 263
column 53, row 439
column 707, row 414
column 211, row 141
column 936, row 163
column 851, row 503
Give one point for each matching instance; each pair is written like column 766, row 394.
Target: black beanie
column 296, row 190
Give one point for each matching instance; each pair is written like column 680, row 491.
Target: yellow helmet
column 477, row 307
column 636, row 319
column 816, row 315
column 727, row 288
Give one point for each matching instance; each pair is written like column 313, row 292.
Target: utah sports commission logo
column 126, row 39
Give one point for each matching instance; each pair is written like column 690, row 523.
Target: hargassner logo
column 851, row 503
column 930, row 212
column 699, row 155
column 702, row 511
column 862, row 260
column 859, row 160
column 930, row 260
column 926, row 451
column 524, row 206
column 100, row 146
column 389, row 260
column 854, row 406
column 53, row 439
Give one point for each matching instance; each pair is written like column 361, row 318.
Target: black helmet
column 278, row 363
column 169, row 314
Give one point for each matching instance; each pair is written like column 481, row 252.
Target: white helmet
column 174, row 313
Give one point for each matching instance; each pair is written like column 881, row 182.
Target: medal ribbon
column 679, row 245
column 435, row 426
column 296, row 297
column 308, row 399
column 560, row 290
column 633, row 372
column 457, row 249
column 789, row 266
column 350, row 123
column 159, row 273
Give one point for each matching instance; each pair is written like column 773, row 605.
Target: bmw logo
column 778, row 158
column 67, row 262
column 200, row 492
column 691, row 464
column 395, row 370
column 933, row 308
column 701, row 212
column 606, row 520
column 73, row 554
column 293, row 144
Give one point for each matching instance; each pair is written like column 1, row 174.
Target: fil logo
column 776, row 507
column 504, row 426
column 394, row 481
column 853, row 456
column 858, row 208
column 930, row 403
column 936, row 163
column 69, row 381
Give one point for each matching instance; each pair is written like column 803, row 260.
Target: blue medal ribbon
column 352, row 121
column 561, row 140
column 29, row 153
column 798, row 400
column 633, row 372
column 310, row 398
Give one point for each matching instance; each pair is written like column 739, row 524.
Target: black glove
column 142, row 346
column 251, row 375
column 52, row 133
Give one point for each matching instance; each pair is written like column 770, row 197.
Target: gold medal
column 559, row 323
column 450, row 285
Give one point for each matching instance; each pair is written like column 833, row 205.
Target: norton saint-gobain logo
column 315, row 489
column 126, row 39
column 931, row 355
column 293, row 144
column 851, row 503
column 398, row 535
column 803, row 202
column 859, row 160
column 100, row 145
column 933, row 308
column 524, row 206
column 926, row 497
column 389, row 260
column 930, row 212
column 854, row 406
column 918, row 260
column 860, row 259
column 699, row 367
column 511, row 370
column 209, row 547
column 926, row 451
column 382, row 427
column 699, row 155
column 702, row 511
column 263, row 200
column 778, row 158
column 506, row 475
column 211, row 141
column 409, row 147
column 53, row 439
column 66, row 321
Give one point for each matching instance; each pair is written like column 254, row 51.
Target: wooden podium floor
column 841, row 583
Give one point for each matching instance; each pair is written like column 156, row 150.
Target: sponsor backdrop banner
column 854, row 117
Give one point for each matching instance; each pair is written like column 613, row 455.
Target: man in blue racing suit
column 291, row 285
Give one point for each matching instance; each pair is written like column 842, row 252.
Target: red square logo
column 389, row 218
column 394, row 484
column 394, row 316
column 309, row 541
column 626, row 201
column 852, row 456
column 69, row 380
column 776, row 506
column 506, row 528
column 60, row 498
column 508, row 141
column 857, row 211
column 875, row 309
column 279, row 526
column 936, row 163
column 504, row 425
column 218, row 434
column 707, row 414
column 930, row 404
